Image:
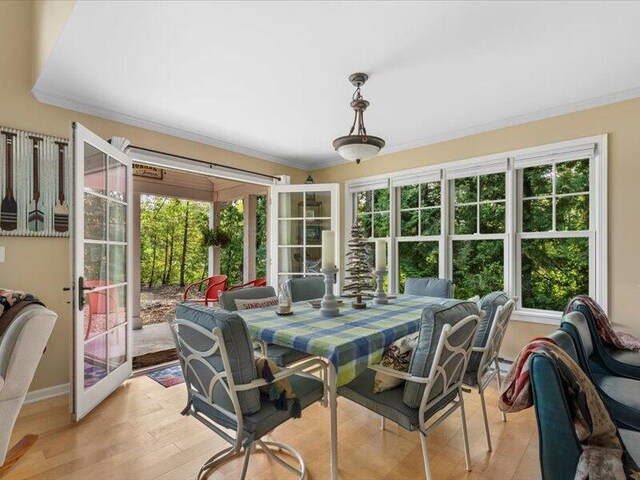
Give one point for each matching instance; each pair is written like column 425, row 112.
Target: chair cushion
column 267, row 417
column 429, row 287
column 238, row 344
column 624, row 356
column 251, row 303
column 284, row 356
column 489, row 304
column 434, row 318
column 308, row 288
column 389, row 404
column 623, row 390
column 631, row 459
column 228, row 299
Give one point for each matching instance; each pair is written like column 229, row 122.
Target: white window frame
column 478, row 170
column 596, row 147
column 413, row 180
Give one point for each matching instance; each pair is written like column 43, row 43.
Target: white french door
column 299, row 215
column 102, row 267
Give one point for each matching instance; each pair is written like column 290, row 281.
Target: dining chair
column 560, row 449
column 217, row 360
column 283, row 356
column 484, row 364
column 306, row 288
column 619, row 393
column 433, row 383
column 606, row 357
column 429, row 287
column 215, row 285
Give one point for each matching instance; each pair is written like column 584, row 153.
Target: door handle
column 81, row 290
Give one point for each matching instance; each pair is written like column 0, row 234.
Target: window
column 554, row 233
column 419, row 229
column 373, row 212
column 478, row 233
column 531, row 222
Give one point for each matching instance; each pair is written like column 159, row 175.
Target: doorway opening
column 175, row 209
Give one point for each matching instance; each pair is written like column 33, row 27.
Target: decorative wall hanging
column 35, row 184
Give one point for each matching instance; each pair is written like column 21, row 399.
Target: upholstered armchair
column 21, row 348
column 560, row 449
column 619, row 393
column 625, row 363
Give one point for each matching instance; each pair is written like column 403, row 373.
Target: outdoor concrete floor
column 152, row 338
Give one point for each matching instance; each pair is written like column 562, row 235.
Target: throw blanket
column 615, row 338
column 9, row 298
column 602, row 451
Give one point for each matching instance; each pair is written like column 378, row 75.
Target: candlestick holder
column 380, row 296
column 329, row 304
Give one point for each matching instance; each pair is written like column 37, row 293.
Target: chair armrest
column 191, row 285
column 402, row 375
column 479, row 349
column 287, row 372
column 262, row 345
column 1, row 383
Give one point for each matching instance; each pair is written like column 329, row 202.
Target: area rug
column 167, row 377
column 155, row 358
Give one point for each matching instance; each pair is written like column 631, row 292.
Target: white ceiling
column 270, row 78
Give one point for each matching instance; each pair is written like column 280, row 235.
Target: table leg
column 333, row 408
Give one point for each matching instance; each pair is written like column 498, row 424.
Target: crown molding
column 504, row 123
column 71, row 104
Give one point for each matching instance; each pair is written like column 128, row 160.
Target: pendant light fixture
column 359, row 146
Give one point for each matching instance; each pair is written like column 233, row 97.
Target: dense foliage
column 173, row 248
column 554, row 198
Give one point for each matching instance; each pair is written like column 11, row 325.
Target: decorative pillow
column 397, row 356
column 8, row 298
column 280, row 391
column 256, row 303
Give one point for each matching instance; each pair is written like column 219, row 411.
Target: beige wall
column 41, row 265
column 622, row 122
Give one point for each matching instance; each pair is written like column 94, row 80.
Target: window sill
column 538, row 316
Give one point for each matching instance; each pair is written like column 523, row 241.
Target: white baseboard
column 44, row 393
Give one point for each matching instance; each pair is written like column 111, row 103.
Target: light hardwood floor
column 138, row 433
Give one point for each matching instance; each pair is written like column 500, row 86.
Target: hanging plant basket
column 216, row 237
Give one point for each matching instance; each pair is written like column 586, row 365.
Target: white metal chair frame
column 490, row 356
column 460, row 355
column 240, row 440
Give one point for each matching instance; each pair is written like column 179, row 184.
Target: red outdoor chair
column 258, row 282
column 215, row 285
column 96, row 309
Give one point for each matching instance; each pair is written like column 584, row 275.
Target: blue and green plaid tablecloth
column 351, row 341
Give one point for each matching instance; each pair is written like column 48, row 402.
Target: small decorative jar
column 284, row 302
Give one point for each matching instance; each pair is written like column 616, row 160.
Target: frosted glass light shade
column 358, row 147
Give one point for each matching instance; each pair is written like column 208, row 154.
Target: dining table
column 349, row 342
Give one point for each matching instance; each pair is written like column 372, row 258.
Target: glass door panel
column 303, row 213
column 102, row 270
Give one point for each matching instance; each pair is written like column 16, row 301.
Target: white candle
column 328, row 249
column 381, row 254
